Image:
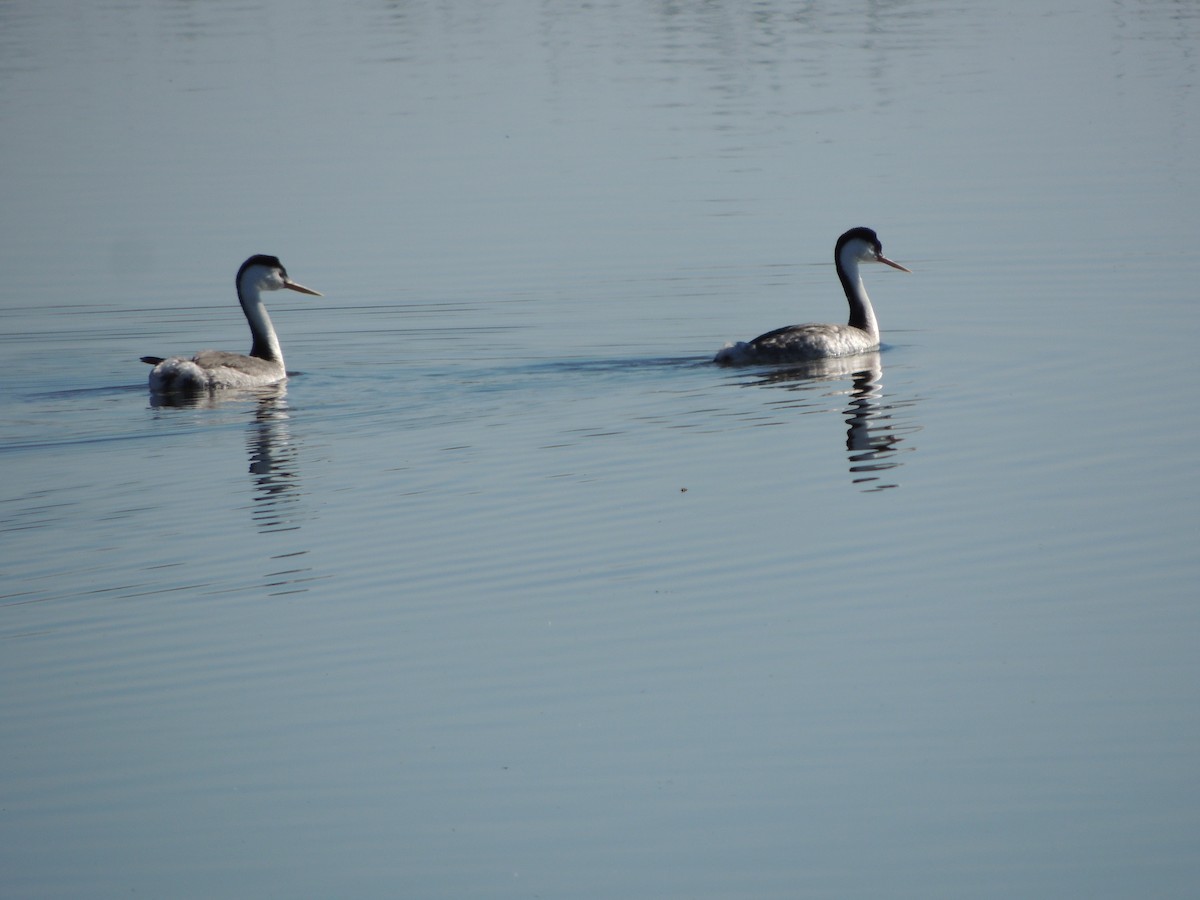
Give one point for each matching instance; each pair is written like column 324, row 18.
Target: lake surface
column 510, row 592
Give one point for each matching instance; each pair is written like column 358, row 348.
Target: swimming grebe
column 798, row 343
column 211, row 369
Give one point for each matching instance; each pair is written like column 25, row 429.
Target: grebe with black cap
column 212, row 369
column 799, row 343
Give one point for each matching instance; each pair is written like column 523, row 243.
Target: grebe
column 211, row 369
column 797, row 343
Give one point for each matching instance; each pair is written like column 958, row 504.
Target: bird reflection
column 274, row 461
column 873, row 439
column 876, row 432
column 274, row 467
column 274, row 457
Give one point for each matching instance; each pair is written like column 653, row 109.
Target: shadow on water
column 876, row 431
column 570, row 374
column 613, row 365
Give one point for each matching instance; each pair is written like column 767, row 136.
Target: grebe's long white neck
column 862, row 314
column 855, row 246
column 258, row 274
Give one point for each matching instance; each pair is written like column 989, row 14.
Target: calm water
column 509, row 592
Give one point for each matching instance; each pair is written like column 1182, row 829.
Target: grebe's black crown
column 861, row 234
column 259, row 259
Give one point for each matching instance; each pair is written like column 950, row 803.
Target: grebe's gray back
column 798, row 343
column 212, row 369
